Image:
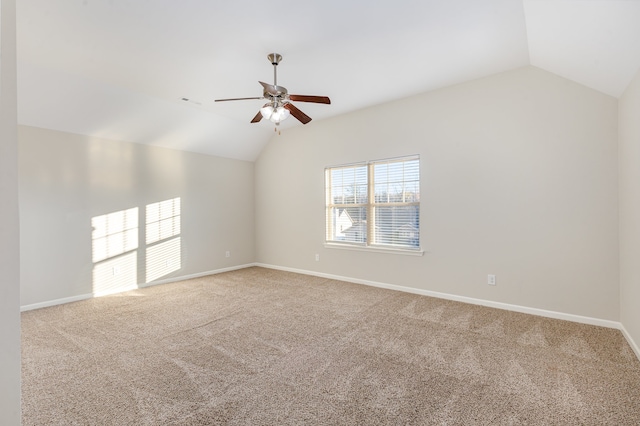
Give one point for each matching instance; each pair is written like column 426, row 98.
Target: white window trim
column 373, row 248
column 353, row 246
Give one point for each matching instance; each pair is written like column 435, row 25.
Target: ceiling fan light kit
column 266, row 111
column 279, row 106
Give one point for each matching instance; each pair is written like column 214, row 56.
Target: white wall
column 9, row 222
column 68, row 179
column 519, row 179
column 630, row 210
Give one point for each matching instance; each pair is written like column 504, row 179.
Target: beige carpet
column 265, row 347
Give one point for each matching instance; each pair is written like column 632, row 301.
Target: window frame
column 370, row 205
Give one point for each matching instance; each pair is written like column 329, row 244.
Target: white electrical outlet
column 491, row 279
column 317, row 257
column 228, row 254
column 116, row 270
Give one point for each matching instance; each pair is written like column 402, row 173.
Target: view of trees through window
column 375, row 203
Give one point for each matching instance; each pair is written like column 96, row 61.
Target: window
column 374, row 204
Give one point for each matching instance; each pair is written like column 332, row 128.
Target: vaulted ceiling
column 120, row 69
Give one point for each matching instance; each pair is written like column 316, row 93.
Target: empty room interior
column 441, row 227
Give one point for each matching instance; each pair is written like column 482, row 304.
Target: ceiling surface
column 119, row 69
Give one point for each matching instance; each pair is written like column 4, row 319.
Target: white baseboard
column 55, row 302
column 632, row 343
column 488, row 303
column 198, row 275
column 141, row 285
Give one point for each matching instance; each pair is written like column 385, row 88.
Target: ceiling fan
column 279, row 105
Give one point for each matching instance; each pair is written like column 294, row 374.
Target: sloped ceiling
column 120, row 69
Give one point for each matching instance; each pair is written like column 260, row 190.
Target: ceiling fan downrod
column 275, row 59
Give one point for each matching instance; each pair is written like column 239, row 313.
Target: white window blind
column 374, row 204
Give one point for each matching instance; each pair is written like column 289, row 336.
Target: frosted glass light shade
column 279, row 114
column 266, row 111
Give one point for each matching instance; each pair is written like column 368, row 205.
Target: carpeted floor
column 266, row 347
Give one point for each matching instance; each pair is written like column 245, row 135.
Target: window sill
column 417, row 252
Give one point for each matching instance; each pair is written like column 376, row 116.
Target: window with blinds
column 374, row 204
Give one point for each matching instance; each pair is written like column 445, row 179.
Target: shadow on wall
column 116, row 251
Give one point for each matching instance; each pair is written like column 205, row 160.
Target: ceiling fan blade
column 307, row 98
column 299, row 115
column 257, row 118
column 236, row 99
